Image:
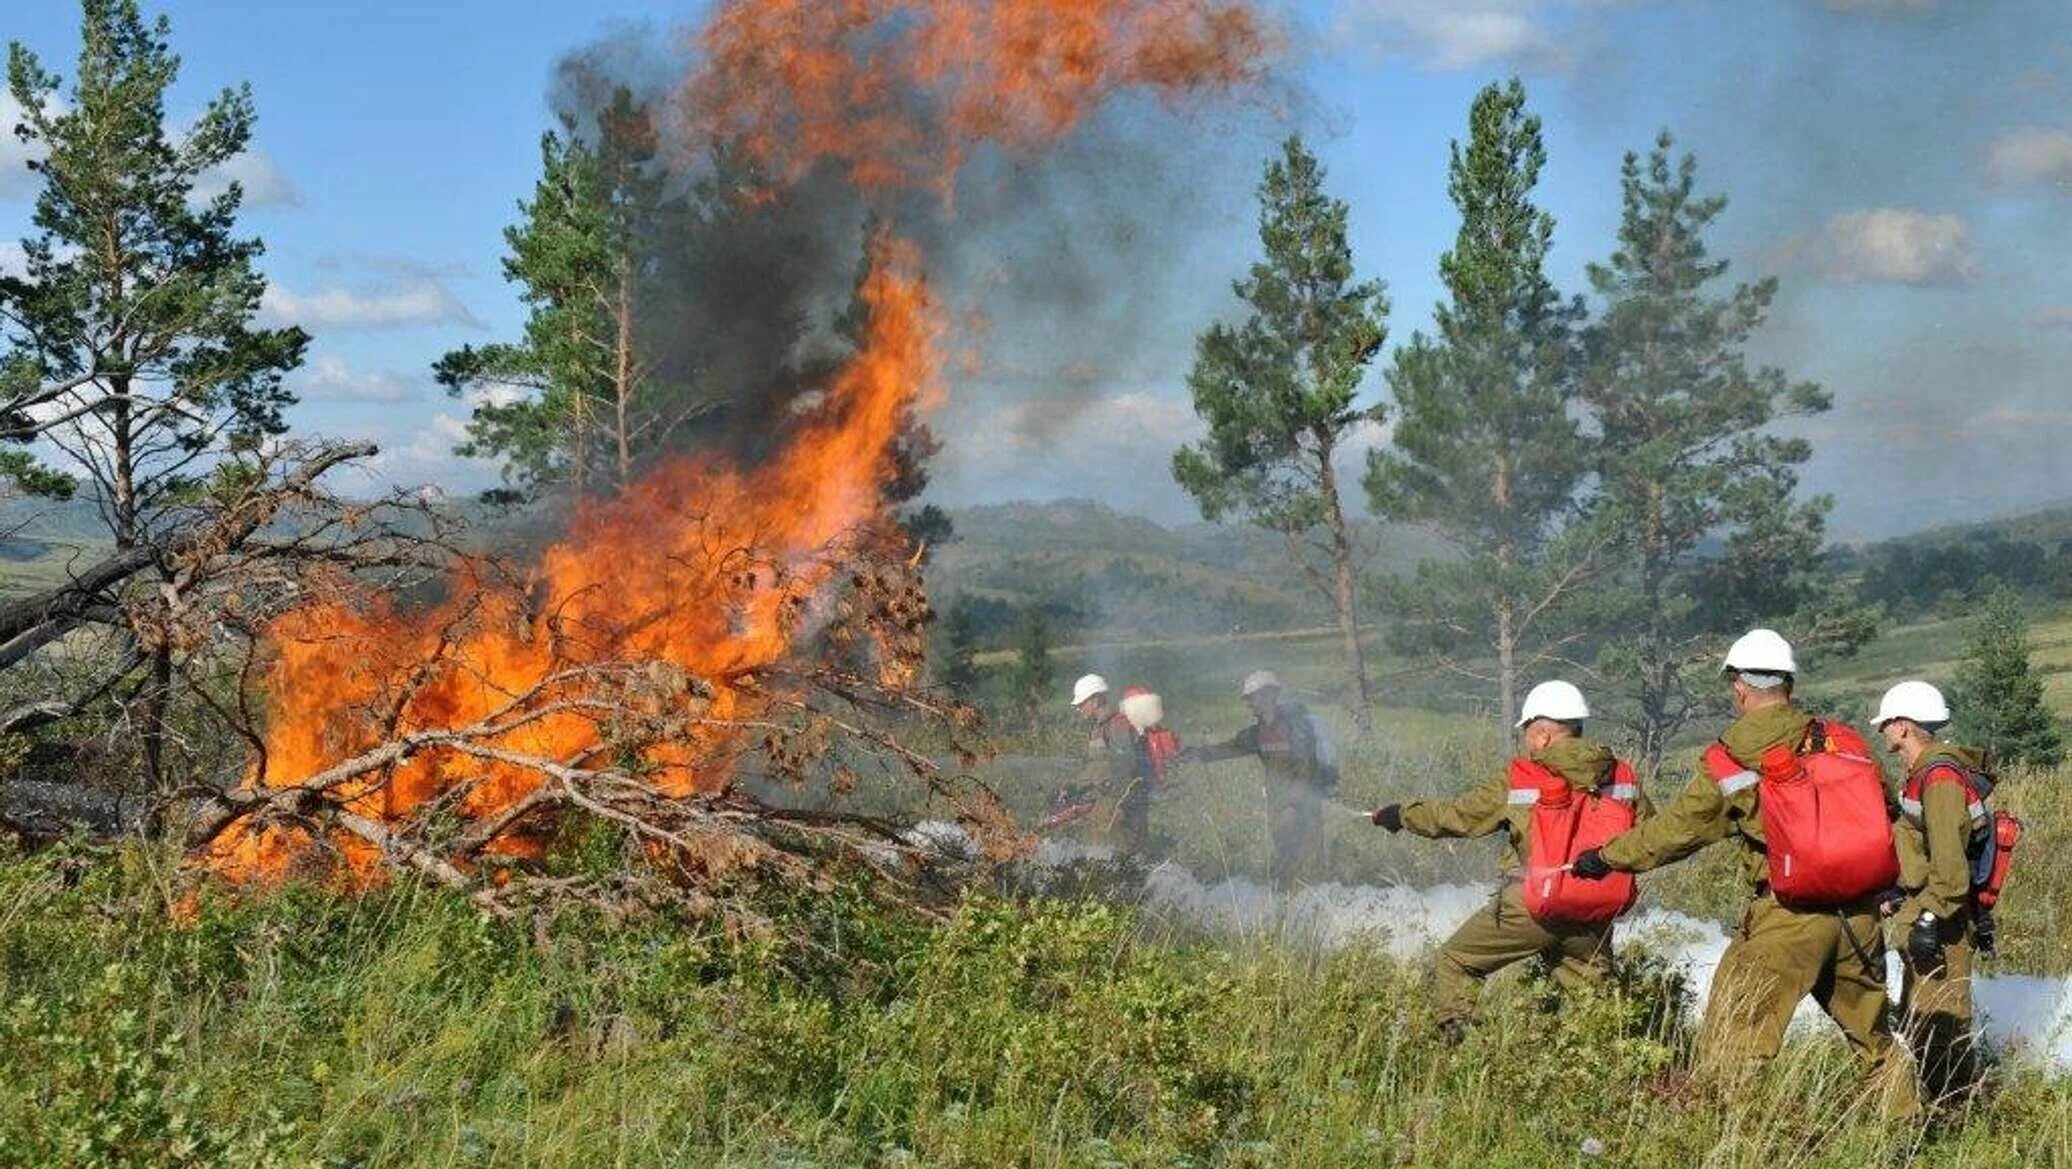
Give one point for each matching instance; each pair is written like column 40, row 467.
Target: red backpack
column 1160, row 745
column 1564, row 823
column 1992, row 853
column 1825, row 820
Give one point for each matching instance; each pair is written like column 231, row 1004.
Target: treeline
column 1605, row 470
column 1915, row 578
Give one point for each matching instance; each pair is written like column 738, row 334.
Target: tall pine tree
column 1687, row 464
column 1485, row 451
column 1999, row 699
column 568, row 407
column 1280, row 391
column 129, row 345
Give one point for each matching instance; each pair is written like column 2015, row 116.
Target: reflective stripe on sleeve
column 1623, row 791
column 1524, row 795
column 1740, row 781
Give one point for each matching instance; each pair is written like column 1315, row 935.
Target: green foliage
column 130, row 339
column 569, row 401
column 1484, row 449
column 1280, row 391
column 1687, row 461
column 1035, row 680
column 1946, row 576
column 1999, row 699
column 958, row 672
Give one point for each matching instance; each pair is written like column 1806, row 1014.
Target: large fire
column 705, row 567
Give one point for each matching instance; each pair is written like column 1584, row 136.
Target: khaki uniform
column 1778, row 954
column 1503, row 933
column 1298, row 779
column 1935, row 842
column 1121, row 816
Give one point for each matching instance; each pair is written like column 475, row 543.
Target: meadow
column 1046, row 1017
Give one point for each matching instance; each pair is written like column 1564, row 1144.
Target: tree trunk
column 156, row 696
column 1506, row 666
column 1344, row 585
column 1657, row 670
column 622, row 373
column 123, row 471
column 1506, row 627
column 156, row 703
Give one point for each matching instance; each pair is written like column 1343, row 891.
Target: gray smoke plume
column 1069, row 273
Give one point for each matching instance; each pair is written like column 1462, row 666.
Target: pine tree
column 1280, row 391
column 1485, row 450
column 579, row 419
column 128, row 346
column 1035, row 671
column 1999, row 699
column 959, row 673
column 1686, row 463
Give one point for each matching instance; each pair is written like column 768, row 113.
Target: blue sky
column 1905, row 166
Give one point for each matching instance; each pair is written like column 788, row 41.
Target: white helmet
column 1088, row 686
column 1557, row 700
column 1259, row 680
column 1917, row 702
column 1760, row 651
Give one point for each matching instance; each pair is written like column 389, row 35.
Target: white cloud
column 433, row 445
column 16, row 179
column 328, row 379
column 416, row 301
column 13, row 262
column 1452, row 34
column 2029, row 156
column 263, row 180
column 1892, row 245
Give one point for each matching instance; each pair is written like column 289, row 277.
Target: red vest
column 1564, row 823
column 1827, row 828
column 1994, row 834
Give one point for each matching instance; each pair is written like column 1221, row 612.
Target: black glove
column 1984, row 933
column 1925, row 945
column 1589, row 865
column 1389, row 816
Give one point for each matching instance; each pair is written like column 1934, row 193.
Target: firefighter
column 1779, row 953
column 1120, row 816
column 1943, row 826
column 1578, row 952
column 1301, row 770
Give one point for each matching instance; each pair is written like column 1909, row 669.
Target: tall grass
column 402, row 1029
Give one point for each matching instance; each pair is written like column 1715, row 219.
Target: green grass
column 402, row 1029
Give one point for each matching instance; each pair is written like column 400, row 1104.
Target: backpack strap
column 1529, row 780
column 1727, row 772
column 1624, row 785
column 1947, row 772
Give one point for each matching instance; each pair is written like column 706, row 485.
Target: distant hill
column 1128, row 576
column 2050, row 527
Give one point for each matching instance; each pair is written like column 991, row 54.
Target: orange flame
column 897, row 92
column 698, row 565
column 703, row 565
